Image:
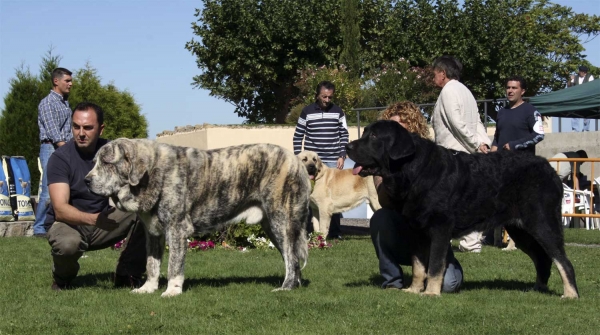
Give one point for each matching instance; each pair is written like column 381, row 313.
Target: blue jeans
column 46, row 149
column 391, row 238
column 335, row 228
column 576, row 123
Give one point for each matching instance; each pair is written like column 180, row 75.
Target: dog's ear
column 135, row 155
column 401, row 144
column 109, row 153
column 319, row 164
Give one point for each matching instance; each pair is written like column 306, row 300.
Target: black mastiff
column 448, row 194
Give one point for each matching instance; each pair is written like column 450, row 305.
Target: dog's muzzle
column 312, row 169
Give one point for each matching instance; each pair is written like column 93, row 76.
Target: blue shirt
column 69, row 166
column 54, row 118
column 522, row 128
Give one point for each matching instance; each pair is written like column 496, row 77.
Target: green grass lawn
column 229, row 292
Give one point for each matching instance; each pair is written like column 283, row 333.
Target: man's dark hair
column 448, row 64
column 326, row 85
column 59, row 72
column 84, row 106
column 583, row 68
column 520, row 79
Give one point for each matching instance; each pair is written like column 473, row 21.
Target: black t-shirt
column 522, row 128
column 68, row 165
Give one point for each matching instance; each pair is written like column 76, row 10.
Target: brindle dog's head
column 381, row 142
column 120, row 169
column 312, row 162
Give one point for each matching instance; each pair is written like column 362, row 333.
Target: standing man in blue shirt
column 519, row 126
column 54, row 122
column 323, row 127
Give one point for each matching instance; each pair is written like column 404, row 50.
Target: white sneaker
column 475, row 251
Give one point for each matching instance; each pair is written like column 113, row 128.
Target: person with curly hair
column 390, row 231
column 409, row 116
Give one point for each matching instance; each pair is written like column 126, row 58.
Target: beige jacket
column 456, row 121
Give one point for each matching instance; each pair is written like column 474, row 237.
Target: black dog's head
column 381, row 142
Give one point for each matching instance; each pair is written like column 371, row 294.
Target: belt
column 47, row 142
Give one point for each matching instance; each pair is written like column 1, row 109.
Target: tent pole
column 560, row 124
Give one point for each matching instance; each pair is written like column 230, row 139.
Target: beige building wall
column 208, row 137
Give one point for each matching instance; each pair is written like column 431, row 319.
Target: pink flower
column 201, row 245
column 119, row 244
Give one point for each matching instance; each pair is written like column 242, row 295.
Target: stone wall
column 561, row 142
column 16, row 228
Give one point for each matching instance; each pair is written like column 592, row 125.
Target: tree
column 121, row 112
column 350, row 31
column 19, row 135
column 494, row 39
column 19, row 132
column 250, row 51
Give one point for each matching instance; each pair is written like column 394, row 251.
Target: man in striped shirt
column 54, row 122
column 322, row 126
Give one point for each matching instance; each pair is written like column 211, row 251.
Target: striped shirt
column 54, row 118
column 324, row 132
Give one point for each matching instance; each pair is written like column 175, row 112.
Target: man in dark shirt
column 519, row 126
column 78, row 220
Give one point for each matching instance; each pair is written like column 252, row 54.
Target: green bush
column 391, row 82
column 236, row 235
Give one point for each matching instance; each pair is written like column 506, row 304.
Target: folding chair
column 583, row 206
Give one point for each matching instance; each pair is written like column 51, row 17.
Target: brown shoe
column 128, row 281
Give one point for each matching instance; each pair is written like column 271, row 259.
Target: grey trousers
column 68, row 243
column 391, row 238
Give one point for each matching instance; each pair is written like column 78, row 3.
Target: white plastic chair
column 567, row 206
column 583, row 206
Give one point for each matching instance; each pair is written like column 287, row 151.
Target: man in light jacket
column 457, row 124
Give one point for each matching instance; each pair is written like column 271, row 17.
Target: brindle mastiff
column 180, row 191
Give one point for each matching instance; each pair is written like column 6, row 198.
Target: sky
column 139, row 46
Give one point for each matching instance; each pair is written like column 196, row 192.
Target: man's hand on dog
column 340, row 163
column 104, row 222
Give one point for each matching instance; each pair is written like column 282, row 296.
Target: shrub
column 348, row 93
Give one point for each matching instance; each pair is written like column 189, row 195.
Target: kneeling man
column 78, row 220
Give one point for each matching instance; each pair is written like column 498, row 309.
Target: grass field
column 229, row 292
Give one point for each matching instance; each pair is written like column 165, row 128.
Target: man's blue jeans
column 391, row 236
column 576, row 123
column 46, row 149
